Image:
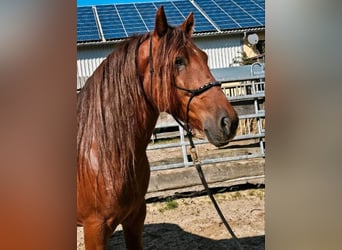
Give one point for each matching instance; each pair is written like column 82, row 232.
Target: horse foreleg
column 133, row 228
column 96, row 235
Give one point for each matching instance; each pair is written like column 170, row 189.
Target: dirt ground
column 192, row 223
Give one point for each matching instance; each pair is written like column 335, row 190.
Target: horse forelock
column 172, row 44
column 106, row 113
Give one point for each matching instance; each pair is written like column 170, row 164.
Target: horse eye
column 179, row 62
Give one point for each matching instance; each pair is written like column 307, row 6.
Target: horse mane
column 107, row 105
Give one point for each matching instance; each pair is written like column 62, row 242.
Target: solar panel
column 174, row 16
column 255, row 8
column 147, row 12
column 238, row 13
column 86, row 25
column 110, row 22
column 218, row 15
column 131, row 19
column 261, row 3
column 123, row 20
column 201, row 23
column 233, row 14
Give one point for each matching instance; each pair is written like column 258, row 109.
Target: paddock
column 235, row 173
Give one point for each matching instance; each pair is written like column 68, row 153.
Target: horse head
column 177, row 79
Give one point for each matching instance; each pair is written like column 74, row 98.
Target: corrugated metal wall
column 221, row 52
column 85, row 67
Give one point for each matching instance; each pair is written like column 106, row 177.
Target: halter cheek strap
column 151, row 65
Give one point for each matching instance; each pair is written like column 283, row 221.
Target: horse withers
column 117, row 110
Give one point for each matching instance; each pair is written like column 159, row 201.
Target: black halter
column 192, row 92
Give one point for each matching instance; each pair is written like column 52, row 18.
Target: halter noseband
column 193, row 92
column 200, row 90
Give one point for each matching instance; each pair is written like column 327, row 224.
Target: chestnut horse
column 117, row 110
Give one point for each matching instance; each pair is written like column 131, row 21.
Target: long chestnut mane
column 114, row 94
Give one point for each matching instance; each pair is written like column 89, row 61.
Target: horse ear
column 161, row 25
column 188, row 25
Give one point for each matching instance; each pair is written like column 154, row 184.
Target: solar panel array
column 86, row 25
column 231, row 14
column 117, row 21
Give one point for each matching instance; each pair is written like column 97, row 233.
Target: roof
column 108, row 23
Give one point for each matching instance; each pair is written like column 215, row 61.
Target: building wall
column 221, row 50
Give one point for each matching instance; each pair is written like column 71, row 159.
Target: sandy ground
column 192, row 223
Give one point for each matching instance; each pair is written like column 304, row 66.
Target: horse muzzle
column 220, row 131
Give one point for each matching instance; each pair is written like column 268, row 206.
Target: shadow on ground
column 168, row 236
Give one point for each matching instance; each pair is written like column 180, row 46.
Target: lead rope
column 198, row 166
column 196, row 161
column 193, row 150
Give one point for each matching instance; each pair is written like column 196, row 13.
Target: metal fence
column 245, row 89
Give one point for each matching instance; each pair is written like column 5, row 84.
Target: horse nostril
column 225, row 124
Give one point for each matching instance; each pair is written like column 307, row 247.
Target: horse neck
column 147, row 119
